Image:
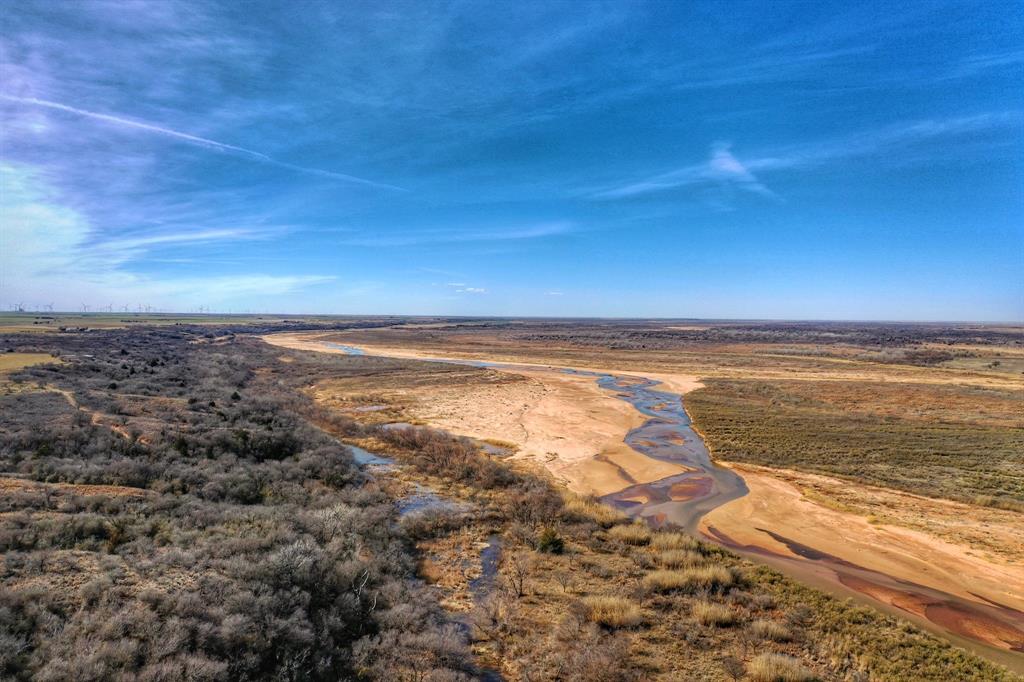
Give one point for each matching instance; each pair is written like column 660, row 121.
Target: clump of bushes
column 635, row 534
column 690, row 580
column 550, row 542
column 612, row 612
column 709, row 613
column 665, row 541
column 769, row 629
column 578, row 509
column 680, row 558
column 459, row 459
column 778, row 668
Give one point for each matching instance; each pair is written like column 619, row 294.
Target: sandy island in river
column 565, row 422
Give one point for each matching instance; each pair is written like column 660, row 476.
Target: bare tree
column 517, row 570
column 565, row 579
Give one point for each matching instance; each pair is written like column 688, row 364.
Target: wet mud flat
column 992, row 630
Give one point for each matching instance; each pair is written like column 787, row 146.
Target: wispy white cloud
column 449, row 236
column 893, row 144
column 463, row 288
column 201, row 236
column 721, row 169
column 51, row 253
column 193, row 139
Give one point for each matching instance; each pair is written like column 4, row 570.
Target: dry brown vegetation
column 778, row 668
column 769, row 629
column 635, row 534
column 963, row 443
column 612, row 612
column 709, row 613
column 201, row 529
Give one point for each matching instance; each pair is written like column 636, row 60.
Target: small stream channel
column 423, row 499
column 668, row 435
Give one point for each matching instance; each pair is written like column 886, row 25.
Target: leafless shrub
column 517, row 571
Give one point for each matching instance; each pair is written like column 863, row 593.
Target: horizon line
column 100, row 313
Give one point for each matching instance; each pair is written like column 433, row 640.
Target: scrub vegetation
column 959, row 442
column 169, row 512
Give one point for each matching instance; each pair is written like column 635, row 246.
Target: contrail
column 195, row 139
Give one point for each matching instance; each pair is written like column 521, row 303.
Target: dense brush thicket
column 881, row 342
column 170, row 513
column 948, row 451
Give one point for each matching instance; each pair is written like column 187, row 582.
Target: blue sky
column 717, row 159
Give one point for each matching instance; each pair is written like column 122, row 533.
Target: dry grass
column 12, row 361
column 589, row 509
column 777, row 668
column 674, row 541
column 708, row 613
column 689, row 580
column 680, row 558
column 769, row 629
column 612, row 612
column 635, row 534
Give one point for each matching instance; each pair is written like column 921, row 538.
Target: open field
column 224, row 478
column 13, row 361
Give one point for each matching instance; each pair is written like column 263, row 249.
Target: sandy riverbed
column 564, row 422
column 777, row 502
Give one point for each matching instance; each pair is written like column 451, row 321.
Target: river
column 683, row 499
